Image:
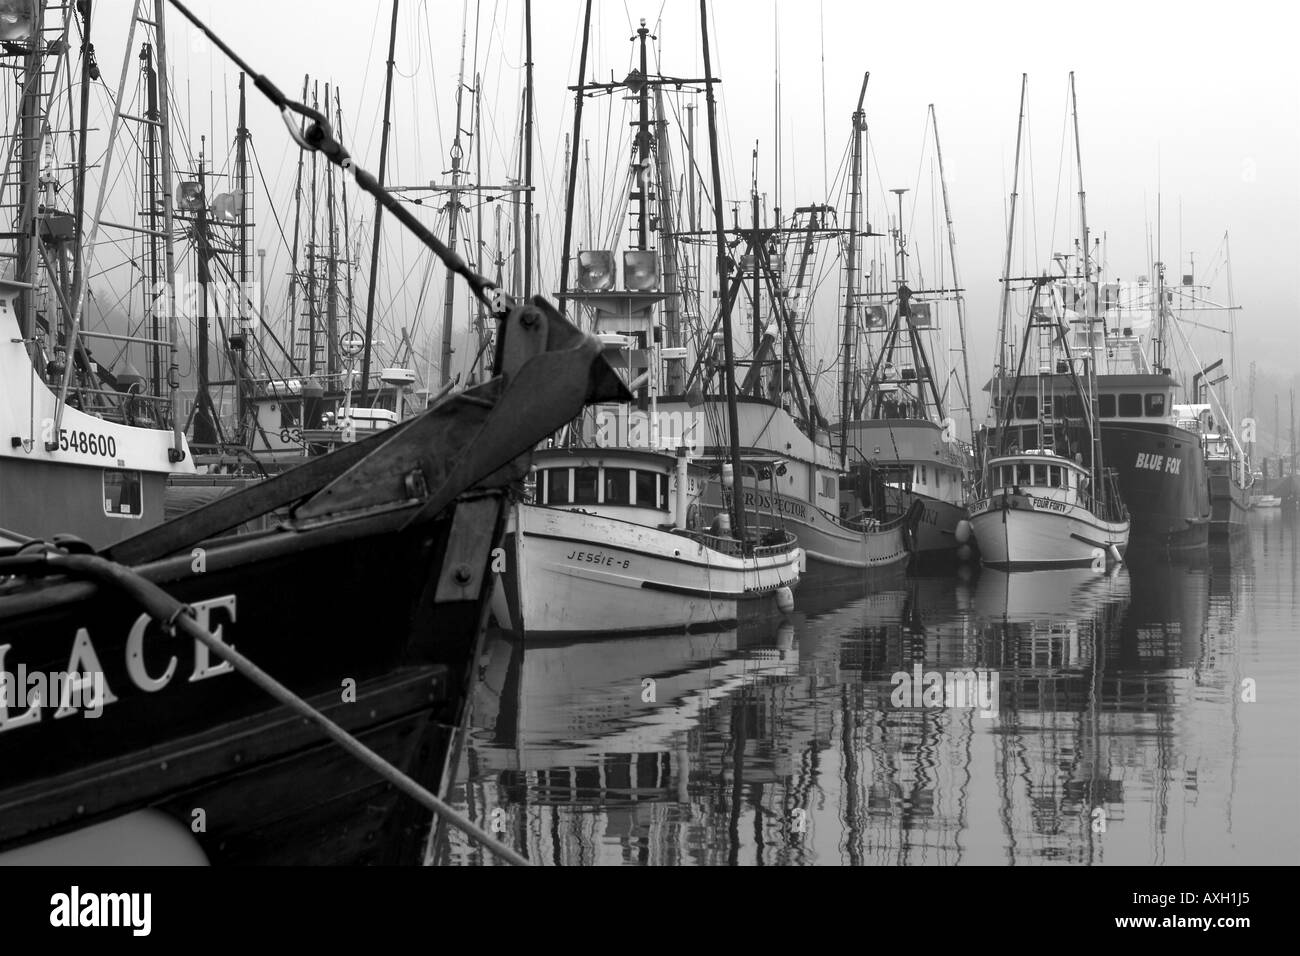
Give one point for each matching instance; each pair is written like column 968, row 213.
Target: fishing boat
column 895, row 434
column 209, row 751
column 1225, row 465
column 1042, row 506
column 598, row 548
column 412, row 514
column 1122, row 329
column 779, row 427
column 88, row 446
column 1040, row 511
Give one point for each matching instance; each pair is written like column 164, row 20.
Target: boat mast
column 175, row 453
column 312, row 330
column 348, row 260
column 239, row 356
column 528, row 149
column 847, row 358
column 204, row 416
column 565, row 255
column 720, row 226
column 294, row 276
column 1005, row 306
column 667, row 229
column 154, row 360
column 1089, row 309
column 379, row 210
column 453, row 220
column 956, row 280
column 29, row 159
column 331, row 270
column 89, row 73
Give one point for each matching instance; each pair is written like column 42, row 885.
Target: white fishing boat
column 1041, row 512
column 613, row 539
column 604, row 547
column 1052, row 503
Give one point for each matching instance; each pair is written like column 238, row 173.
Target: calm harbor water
column 1146, row 716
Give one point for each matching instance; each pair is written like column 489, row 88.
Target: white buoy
column 785, row 600
column 1115, row 556
column 962, row 531
column 728, row 475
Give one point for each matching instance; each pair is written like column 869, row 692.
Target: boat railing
column 865, row 521
column 136, row 409
column 1108, row 505
column 768, row 544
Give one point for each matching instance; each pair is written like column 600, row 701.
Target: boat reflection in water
column 1115, row 732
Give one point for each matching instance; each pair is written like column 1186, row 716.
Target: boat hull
column 1229, row 504
column 572, row 573
column 1013, row 533
column 934, row 526
column 1162, row 481
column 832, row 548
column 69, row 771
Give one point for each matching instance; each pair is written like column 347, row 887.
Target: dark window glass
column 1026, row 406
column 585, row 482
column 557, row 486
column 645, row 489
column 1054, row 476
column 1107, row 406
column 618, row 486
column 1073, row 406
column 288, row 414
column 662, row 481
column 1130, row 405
column 123, row 495
column 1155, row 404
column 1040, row 475
column 1022, row 474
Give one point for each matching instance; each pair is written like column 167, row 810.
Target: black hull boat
column 1162, row 480
column 367, row 599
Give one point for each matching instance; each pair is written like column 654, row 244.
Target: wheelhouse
column 1041, row 474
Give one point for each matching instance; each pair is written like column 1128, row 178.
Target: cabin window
column 645, row 489
column 585, row 483
column 1073, row 406
column 1040, row 475
column 1107, row 403
column 828, row 486
column 1054, row 476
column 557, row 486
column 288, row 414
column 123, row 493
column 618, row 486
column 1022, row 474
column 1130, row 405
column 1026, row 406
column 1155, row 404
column 920, row 474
